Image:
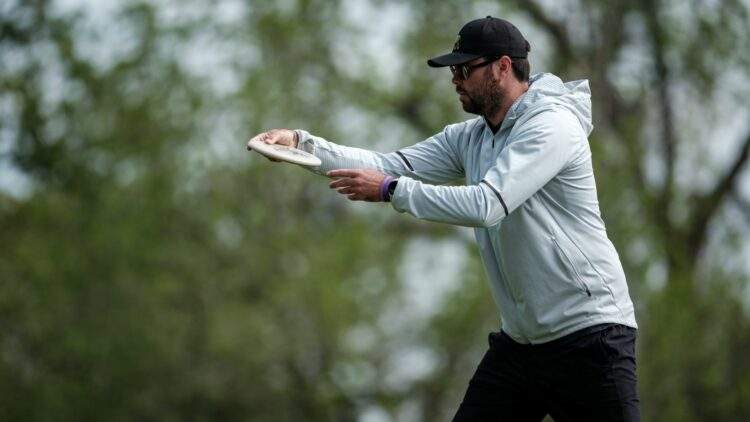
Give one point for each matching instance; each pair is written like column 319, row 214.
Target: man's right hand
column 278, row 136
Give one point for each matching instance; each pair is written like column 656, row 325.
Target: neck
column 515, row 91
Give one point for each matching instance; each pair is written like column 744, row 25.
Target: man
column 567, row 342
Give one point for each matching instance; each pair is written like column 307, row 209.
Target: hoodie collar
column 547, row 90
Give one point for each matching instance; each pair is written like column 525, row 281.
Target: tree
column 155, row 270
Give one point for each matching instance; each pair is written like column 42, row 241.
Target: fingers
column 347, row 191
column 355, row 197
column 359, row 197
column 275, row 136
column 348, row 187
column 344, row 173
column 345, row 188
column 344, row 178
column 256, row 137
column 356, row 184
column 354, row 193
column 343, row 182
column 260, row 137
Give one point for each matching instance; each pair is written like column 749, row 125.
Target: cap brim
column 451, row 59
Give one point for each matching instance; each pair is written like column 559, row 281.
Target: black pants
column 585, row 376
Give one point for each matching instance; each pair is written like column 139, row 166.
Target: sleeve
column 436, row 160
column 541, row 148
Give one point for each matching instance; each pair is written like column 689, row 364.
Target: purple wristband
column 384, row 188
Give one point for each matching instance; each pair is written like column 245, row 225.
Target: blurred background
column 152, row 269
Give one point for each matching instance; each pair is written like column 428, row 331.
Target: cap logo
column 457, row 45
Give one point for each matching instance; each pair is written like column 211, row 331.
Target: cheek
column 499, row 85
column 472, row 87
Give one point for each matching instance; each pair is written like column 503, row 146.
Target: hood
column 548, row 91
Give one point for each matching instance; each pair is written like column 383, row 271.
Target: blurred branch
column 610, row 33
column 555, row 28
column 707, row 205
column 608, row 42
column 619, row 112
column 663, row 203
column 627, row 130
column 742, row 203
column 409, row 109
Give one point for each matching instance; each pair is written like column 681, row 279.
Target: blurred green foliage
column 152, row 269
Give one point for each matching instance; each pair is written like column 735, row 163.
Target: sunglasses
column 463, row 71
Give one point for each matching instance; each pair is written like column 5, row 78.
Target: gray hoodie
column 531, row 197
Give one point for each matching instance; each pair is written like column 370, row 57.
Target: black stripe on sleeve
column 505, row 208
column 408, row 164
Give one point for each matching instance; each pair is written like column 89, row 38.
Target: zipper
column 578, row 277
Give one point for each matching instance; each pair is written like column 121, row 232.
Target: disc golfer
column 566, row 345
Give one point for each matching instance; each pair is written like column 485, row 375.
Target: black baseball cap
column 484, row 37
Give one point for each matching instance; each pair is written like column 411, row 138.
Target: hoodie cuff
column 305, row 141
column 400, row 197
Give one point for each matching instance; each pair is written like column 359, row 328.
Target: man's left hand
column 357, row 185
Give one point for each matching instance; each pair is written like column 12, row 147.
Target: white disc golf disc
column 284, row 153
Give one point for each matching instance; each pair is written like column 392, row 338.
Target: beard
column 487, row 100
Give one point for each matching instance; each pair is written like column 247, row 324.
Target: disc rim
column 299, row 157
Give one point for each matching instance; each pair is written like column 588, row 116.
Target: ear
column 504, row 66
column 501, row 68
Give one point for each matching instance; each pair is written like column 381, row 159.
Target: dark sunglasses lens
column 459, row 71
